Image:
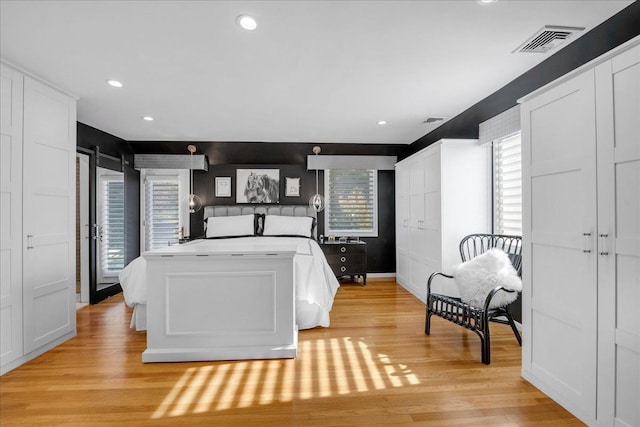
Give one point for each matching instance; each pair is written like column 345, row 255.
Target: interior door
column 560, row 264
column 110, row 246
column 618, row 86
column 49, row 215
column 83, row 232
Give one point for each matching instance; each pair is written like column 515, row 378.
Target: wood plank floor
column 373, row 366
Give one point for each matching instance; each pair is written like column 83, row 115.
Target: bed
column 210, row 299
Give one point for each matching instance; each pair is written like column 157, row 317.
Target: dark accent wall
column 291, row 160
column 615, row 31
column 89, row 137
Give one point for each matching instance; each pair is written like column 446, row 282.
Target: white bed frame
column 205, row 303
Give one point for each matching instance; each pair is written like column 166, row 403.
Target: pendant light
column 195, row 204
column 316, row 202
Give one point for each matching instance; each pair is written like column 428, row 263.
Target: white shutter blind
column 162, row 212
column 112, row 231
column 351, row 202
column 508, row 186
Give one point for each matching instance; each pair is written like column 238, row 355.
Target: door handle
column 603, row 244
column 587, row 241
column 29, row 241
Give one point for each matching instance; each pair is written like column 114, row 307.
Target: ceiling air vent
column 547, row 38
column 432, row 120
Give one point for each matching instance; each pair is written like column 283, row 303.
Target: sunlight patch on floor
column 323, row 368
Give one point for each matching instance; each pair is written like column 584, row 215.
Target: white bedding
column 315, row 283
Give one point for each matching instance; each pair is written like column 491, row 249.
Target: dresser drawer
column 347, row 259
column 336, row 248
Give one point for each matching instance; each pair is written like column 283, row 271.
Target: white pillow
column 230, row 226
column 478, row 276
column 275, row 225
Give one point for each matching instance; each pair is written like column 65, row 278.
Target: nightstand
column 347, row 259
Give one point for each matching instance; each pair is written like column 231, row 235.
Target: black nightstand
column 347, row 259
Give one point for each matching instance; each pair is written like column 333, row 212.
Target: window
column 164, row 214
column 111, row 223
column 508, row 185
column 351, row 202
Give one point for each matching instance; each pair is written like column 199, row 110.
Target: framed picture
column 292, row 187
column 258, row 186
column 223, row 186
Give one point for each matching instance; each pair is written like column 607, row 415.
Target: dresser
column 347, row 259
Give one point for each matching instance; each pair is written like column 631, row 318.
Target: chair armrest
column 433, row 275
column 494, row 291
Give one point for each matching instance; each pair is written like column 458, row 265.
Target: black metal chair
column 470, row 317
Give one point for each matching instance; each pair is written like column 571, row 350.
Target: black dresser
column 347, row 259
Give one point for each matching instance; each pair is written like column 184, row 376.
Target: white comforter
column 315, row 283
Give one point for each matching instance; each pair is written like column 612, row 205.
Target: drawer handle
column 343, row 249
column 343, row 259
column 343, row 268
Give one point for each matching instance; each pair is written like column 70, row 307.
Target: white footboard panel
column 220, row 307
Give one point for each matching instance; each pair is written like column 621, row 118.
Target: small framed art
column 223, row 186
column 292, row 187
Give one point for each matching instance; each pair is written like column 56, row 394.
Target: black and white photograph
column 258, row 186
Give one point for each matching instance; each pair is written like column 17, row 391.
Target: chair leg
column 486, row 341
column 427, row 322
column 484, row 351
column 514, row 329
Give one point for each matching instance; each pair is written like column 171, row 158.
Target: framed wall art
column 223, row 186
column 258, row 186
column 292, row 187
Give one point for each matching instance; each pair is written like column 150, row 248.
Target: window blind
column 162, row 212
column 112, row 226
column 351, row 203
column 508, row 185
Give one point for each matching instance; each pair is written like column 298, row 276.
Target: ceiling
column 312, row 71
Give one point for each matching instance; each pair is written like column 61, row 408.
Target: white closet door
column 10, row 216
column 618, row 86
column 49, row 214
column 560, row 279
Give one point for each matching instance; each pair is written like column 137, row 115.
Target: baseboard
column 35, row 353
column 381, row 275
column 416, row 292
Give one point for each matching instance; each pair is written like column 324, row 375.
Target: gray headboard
column 281, row 210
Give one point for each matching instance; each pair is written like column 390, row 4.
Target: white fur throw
column 478, row 276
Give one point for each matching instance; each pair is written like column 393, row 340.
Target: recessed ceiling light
column 247, row 22
column 382, row 122
column 487, row 1
column 147, row 118
column 114, row 83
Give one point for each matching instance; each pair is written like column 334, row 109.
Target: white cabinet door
column 49, row 215
column 10, row 216
column 402, row 223
column 559, row 277
column 618, row 94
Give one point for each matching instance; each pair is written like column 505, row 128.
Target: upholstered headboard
column 281, row 210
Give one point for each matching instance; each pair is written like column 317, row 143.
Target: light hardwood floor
column 374, row 365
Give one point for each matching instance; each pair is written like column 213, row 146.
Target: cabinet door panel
column 49, row 215
column 10, row 216
column 432, row 170
column 618, row 86
column 560, row 296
